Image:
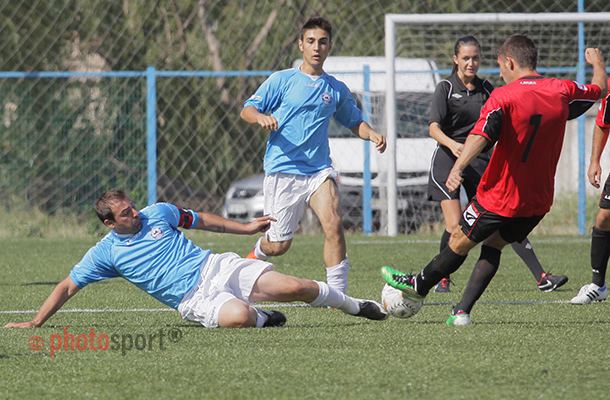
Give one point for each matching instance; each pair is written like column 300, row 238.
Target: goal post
column 454, row 23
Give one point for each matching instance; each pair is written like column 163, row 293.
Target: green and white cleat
column 459, row 318
column 401, row 281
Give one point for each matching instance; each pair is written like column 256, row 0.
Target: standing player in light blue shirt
column 295, row 106
column 147, row 249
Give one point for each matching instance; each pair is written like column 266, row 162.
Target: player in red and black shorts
column 527, row 119
column 600, row 237
column 455, row 109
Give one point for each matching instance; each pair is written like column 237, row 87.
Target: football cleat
column 549, row 282
column 590, row 293
column 401, row 281
column 370, row 309
column 274, row 318
column 443, row 286
column 458, row 318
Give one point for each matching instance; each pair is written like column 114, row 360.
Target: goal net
column 561, row 39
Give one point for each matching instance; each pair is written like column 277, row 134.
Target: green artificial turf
column 522, row 344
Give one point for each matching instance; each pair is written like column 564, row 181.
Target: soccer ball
column 397, row 305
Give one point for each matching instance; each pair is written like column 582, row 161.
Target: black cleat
column 274, row 318
column 372, row 310
column 549, row 282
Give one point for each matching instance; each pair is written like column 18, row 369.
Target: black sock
column 484, row 270
column 526, row 252
column 444, row 264
column 444, row 240
column 600, row 252
column 444, row 243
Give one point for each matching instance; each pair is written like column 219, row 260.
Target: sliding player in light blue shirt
column 296, row 106
column 148, row 250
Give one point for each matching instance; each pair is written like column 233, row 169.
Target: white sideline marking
column 91, row 310
column 433, row 241
column 275, row 305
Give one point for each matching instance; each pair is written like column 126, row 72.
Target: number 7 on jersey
column 535, row 121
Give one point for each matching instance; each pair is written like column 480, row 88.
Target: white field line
column 274, row 305
column 435, row 241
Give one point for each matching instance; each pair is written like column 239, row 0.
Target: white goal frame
column 391, row 20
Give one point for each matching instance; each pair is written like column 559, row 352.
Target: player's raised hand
column 594, row 174
column 379, row 140
column 267, row 122
column 260, row 224
column 593, row 56
column 454, row 180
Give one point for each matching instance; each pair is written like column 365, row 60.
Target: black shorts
column 478, row 224
column 604, row 201
column 442, row 162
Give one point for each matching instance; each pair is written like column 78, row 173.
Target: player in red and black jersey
column 527, row 119
column 455, row 109
column 600, row 237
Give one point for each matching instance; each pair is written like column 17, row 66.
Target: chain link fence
column 66, row 138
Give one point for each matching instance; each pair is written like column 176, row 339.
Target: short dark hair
column 464, row 41
column 317, row 22
column 522, row 49
column 102, row 204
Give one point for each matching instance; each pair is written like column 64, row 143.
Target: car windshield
column 413, row 111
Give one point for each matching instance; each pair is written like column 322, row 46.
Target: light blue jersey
column 302, row 106
column 158, row 259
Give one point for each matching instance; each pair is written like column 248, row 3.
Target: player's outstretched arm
column 600, row 137
column 595, row 57
column 252, row 116
column 216, row 223
column 62, row 293
column 365, row 132
column 474, row 145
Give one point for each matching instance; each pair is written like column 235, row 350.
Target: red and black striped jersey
column 603, row 115
column 527, row 118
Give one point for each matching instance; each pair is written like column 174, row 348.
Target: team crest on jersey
column 470, row 215
column 326, row 98
column 156, row 233
column 456, row 96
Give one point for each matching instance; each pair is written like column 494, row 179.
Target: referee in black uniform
column 455, row 108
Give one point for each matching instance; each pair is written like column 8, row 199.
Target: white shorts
column 286, row 196
column 223, row 277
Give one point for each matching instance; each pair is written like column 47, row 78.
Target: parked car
column 414, row 147
column 244, row 199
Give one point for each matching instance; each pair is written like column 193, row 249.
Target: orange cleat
column 251, row 255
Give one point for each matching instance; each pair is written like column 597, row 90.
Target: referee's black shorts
column 478, row 224
column 442, row 162
column 604, row 201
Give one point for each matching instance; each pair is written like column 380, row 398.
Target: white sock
column 261, row 318
column 336, row 276
column 599, row 287
column 331, row 297
column 258, row 252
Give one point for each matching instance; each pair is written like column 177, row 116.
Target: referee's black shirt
column 455, row 108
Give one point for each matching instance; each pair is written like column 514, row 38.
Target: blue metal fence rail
column 151, row 75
